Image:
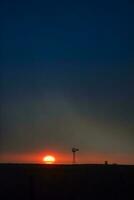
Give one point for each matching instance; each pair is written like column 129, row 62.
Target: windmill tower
column 74, row 150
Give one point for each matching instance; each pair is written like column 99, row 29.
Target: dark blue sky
column 67, row 75
column 77, row 31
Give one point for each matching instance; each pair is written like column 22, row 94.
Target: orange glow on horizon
column 49, row 159
column 66, row 158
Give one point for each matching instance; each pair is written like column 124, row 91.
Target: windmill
column 74, row 150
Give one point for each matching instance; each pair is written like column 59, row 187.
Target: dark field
column 34, row 182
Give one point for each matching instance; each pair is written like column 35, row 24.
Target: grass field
column 35, row 182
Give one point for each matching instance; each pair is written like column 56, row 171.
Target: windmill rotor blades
column 75, row 149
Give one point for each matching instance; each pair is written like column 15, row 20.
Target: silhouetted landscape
column 34, row 181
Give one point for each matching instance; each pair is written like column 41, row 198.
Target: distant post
column 106, row 162
column 74, row 150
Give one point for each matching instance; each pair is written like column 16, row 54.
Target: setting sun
column 49, row 159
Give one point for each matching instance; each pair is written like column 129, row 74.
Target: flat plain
column 36, row 181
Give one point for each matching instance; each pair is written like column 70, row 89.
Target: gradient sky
column 67, row 79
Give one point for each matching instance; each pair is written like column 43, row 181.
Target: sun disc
column 49, row 159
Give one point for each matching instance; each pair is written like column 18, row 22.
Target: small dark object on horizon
column 106, row 162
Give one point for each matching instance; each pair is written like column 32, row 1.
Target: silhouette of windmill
column 74, row 150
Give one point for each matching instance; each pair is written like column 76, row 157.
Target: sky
column 67, row 79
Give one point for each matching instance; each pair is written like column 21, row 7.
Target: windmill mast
column 74, row 150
